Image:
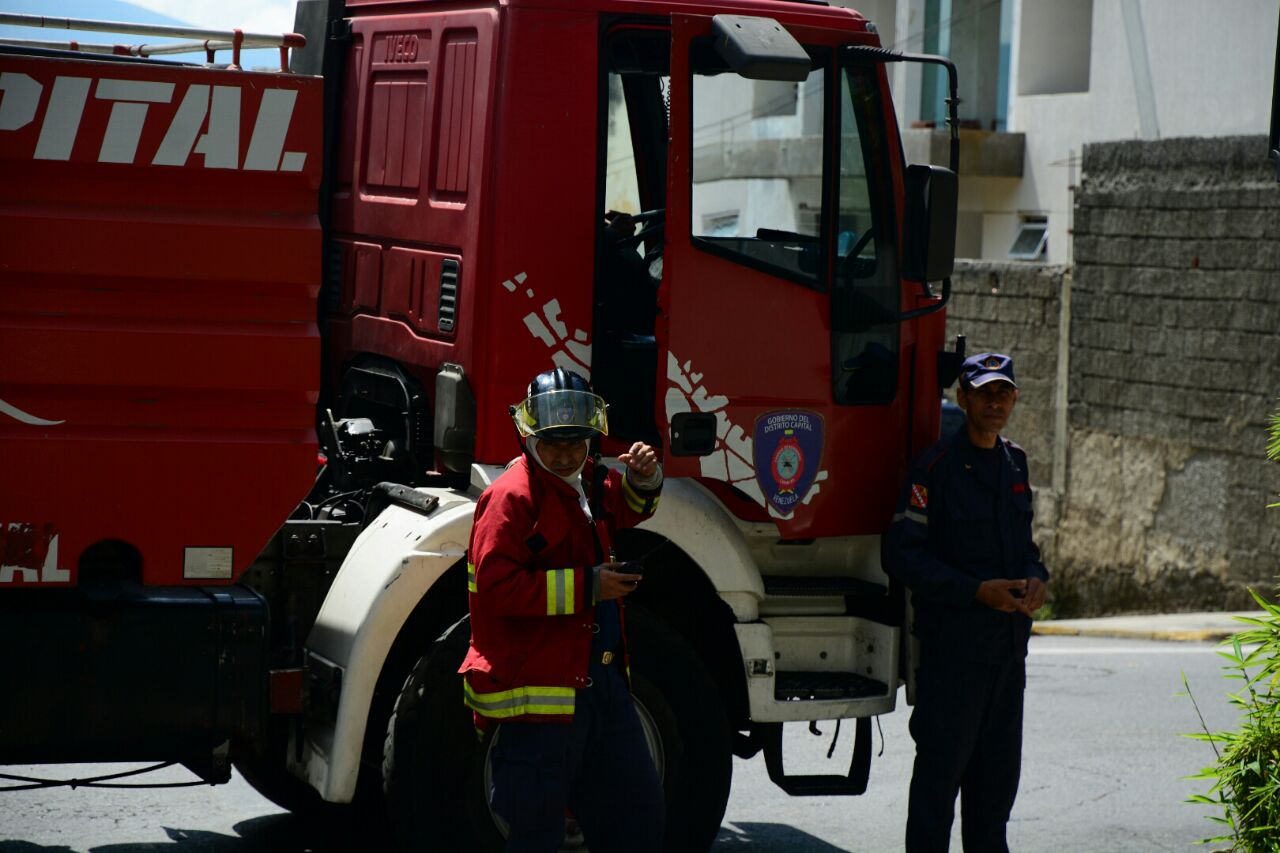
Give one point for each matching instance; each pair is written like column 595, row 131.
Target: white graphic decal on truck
column 551, row 330
column 24, row 417
column 214, row 109
column 29, row 554
column 731, row 461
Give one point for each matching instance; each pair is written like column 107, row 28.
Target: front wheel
column 436, row 772
column 674, row 690
column 431, row 759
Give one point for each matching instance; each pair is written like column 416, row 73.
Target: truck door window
column 865, row 291
column 758, row 169
column 635, row 87
column 621, row 189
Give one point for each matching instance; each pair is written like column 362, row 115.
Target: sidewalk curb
column 1171, row 634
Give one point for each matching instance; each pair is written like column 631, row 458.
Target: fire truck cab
column 703, row 208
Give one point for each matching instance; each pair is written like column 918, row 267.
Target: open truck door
column 784, row 226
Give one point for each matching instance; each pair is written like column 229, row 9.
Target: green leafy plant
column 1246, row 777
column 1273, row 441
column 1245, row 780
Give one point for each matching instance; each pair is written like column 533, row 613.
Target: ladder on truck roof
column 210, row 41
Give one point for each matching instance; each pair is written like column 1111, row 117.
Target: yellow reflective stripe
column 471, row 578
column 637, row 502
column 521, row 700
column 560, row 598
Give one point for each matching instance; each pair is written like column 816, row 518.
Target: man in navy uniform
column 961, row 542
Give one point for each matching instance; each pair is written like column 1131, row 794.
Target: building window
column 975, row 34
column 1031, row 240
column 1054, row 45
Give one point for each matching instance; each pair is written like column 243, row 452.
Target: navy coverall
column 588, row 755
column 965, row 517
column 599, row 766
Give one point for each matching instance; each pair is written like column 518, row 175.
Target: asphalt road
column 1102, row 771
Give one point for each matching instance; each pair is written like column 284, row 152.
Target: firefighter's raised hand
column 642, row 459
column 613, row 583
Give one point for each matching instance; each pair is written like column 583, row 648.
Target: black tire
column 434, row 765
column 432, row 761
column 673, row 686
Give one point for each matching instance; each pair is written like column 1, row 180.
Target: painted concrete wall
column 1210, row 73
column 1208, row 70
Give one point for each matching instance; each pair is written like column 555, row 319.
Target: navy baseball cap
column 986, row 367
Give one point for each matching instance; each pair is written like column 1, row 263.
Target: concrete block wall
column 1014, row 308
column 1173, row 370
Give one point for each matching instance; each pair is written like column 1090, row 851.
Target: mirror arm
column 884, row 55
column 880, row 54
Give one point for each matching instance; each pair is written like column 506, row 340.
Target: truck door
column 781, row 284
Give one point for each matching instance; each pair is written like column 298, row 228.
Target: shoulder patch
column 919, row 496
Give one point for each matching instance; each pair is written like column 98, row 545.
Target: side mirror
column 930, row 250
column 760, row 48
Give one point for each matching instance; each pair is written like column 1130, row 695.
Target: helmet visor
column 562, row 414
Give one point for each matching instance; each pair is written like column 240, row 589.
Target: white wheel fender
column 391, row 566
column 694, row 521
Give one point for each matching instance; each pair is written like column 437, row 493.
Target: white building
column 1041, row 78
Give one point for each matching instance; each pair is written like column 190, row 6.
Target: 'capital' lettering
column 124, row 128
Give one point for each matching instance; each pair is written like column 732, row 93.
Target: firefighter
column 961, row 542
column 547, row 665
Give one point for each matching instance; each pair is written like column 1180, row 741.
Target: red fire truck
column 259, row 332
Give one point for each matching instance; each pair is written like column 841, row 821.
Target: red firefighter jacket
column 530, row 579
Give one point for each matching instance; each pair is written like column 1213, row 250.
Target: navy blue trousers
column 598, row 766
column 967, row 725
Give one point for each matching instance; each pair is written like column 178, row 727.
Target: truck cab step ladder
column 781, row 585
column 805, row 686
column 862, row 598
column 851, row 784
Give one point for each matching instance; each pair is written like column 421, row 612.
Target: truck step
column 793, row 686
column 815, row 586
column 862, row 598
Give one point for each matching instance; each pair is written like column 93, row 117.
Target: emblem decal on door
column 788, row 452
column 736, row 459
